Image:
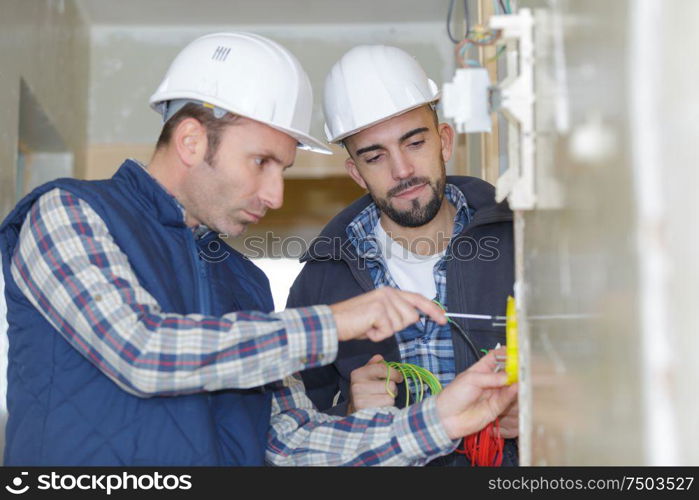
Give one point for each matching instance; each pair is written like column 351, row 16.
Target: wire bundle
column 418, row 375
column 479, row 37
column 476, row 35
column 484, row 448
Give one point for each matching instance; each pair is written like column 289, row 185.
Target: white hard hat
column 248, row 75
column 370, row 84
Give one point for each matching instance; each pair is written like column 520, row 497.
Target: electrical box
column 465, row 100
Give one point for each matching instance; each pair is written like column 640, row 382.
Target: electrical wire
column 497, row 55
column 478, row 36
column 465, row 336
column 484, row 448
column 467, row 20
column 419, row 376
column 460, row 330
column 449, row 13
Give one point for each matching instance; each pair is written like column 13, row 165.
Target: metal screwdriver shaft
column 474, row 316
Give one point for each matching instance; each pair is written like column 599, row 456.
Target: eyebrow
column 403, row 138
column 368, row 148
column 408, row 135
column 272, row 156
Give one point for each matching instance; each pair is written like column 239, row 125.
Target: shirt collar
column 200, row 230
column 361, row 230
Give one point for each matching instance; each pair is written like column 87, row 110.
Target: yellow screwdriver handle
column 512, row 359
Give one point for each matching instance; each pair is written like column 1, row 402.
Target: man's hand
column 475, row 397
column 380, row 313
column 368, row 385
column 509, row 421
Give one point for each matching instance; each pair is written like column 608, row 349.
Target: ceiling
column 217, row 12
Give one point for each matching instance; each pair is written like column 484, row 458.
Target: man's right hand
column 380, row 313
column 368, row 385
column 475, row 397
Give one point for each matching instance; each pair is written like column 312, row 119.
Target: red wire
column 484, row 448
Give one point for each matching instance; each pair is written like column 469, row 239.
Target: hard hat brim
column 342, row 137
column 306, row 142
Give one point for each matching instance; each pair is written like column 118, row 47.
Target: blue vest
column 64, row 411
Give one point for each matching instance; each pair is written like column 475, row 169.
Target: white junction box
column 465, row 100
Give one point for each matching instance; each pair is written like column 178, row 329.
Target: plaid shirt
column 69, row 267
column 425, row 344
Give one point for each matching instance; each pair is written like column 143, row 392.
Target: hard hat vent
column 221, row 53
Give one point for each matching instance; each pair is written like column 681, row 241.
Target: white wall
column 45, row 45
column 611, row 277
column 281, row 274
column 45, row 167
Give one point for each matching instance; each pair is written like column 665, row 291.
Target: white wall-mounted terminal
column 516, row 102
column 465, row 100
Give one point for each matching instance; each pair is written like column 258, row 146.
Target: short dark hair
column 214, row 127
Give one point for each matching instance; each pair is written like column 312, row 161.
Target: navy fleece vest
column 63, row 410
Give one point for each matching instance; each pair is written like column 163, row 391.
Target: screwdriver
column 474, row 316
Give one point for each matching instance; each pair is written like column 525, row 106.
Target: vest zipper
column 202, row 287
column 200, row 276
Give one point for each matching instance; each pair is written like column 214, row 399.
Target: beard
column 416, row 215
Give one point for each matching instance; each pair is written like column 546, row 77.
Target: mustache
column 406, row 184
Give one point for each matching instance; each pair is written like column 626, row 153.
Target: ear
column 446, row 135
column 190, row 141
column 353, row 172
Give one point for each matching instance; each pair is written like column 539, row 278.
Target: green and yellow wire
column 419, row 377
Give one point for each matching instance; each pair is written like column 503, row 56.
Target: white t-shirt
column 411, row 272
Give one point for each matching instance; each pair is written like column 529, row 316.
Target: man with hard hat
column 417, row 230
column 136, row 339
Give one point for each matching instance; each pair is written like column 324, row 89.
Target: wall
column 45, row 45
column 608, row 266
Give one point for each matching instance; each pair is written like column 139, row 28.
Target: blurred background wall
column 44, row 79
column 607, row 264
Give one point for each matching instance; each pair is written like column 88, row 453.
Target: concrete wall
column 609, row 271
column 127, row 64
column 673, row 227
column 45, row 45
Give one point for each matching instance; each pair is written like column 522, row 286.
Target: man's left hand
column 509, row 421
